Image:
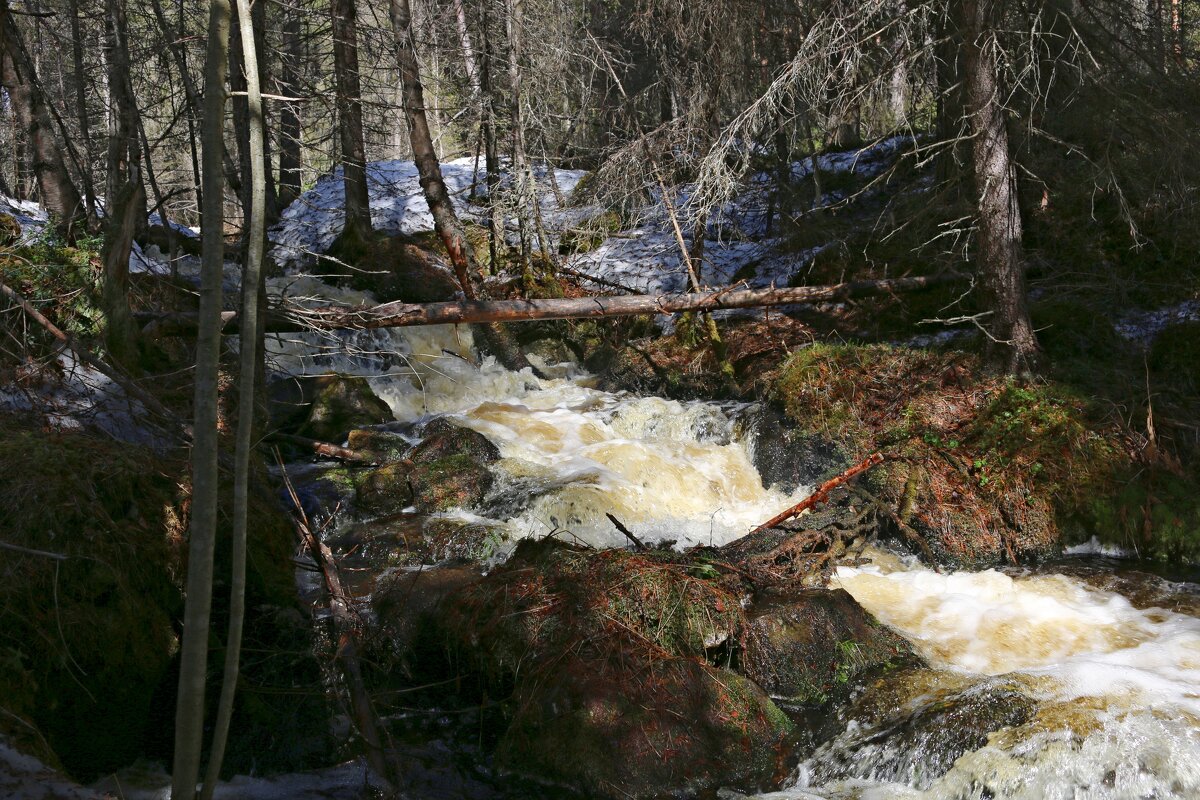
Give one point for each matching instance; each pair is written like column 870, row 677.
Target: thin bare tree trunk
column 468, row 50
column 189, row 714
column 490, row 148
column 1000, row 256
column 247, row 385
column 350, row 126
column 81, row 109
column 125, row 195
column 289, row 115
column 445, row 220
column 57, row 192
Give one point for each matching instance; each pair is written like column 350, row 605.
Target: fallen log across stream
column 399, row 315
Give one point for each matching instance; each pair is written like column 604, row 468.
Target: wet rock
column 414, row 541
column 910, row 728
column 810, row 646
column 443, row 438
column 326, row 407
column 381, row 446
column 447, row 469
column 406, row 603
column 787, row 457
column 386, row 490
column 323, row 492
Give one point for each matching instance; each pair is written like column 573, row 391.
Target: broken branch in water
column 346, row 630
column 822, row 492
column 628, row 533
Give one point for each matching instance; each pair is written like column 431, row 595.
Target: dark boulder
column 811, row 646
column 325, row 407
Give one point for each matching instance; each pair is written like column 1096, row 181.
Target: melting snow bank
column 33, row 220
column 308, row 226
column 1116, row 715
column 644, row 257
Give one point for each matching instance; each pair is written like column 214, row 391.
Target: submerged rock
column 911, row 727
column 810, row 646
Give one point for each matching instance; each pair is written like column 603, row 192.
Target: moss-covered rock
column 442, row 438
column 811, row 646
column 340, row 403
column 87, row 642
column 641, row 725
column 982, row 469
column 385, row 490
column 380, row 446
column 447, row 469
column 614, row 662
column 394, row 267
column 410, row 541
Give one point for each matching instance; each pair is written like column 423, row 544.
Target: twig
column 822, row 492
column 637, row 543
column 29, row 551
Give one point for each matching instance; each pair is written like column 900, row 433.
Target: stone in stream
column 912, row 725
column 325, row 407
column 810, row 646
column 626, row 671
column 447, row 469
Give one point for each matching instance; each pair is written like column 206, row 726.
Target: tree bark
column 401, row 315
column 125, row 194
column 289, row 114
column 446, row 223
column 490, row 149
column 81, row 109
column 255, row 236
column 57, row 192
column 445, row 220
column 350, row 126
column 999, row 253
column 189, row 715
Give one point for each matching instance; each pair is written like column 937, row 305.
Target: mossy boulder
column 381, row 446
column 340, row 403
column 811, row 646
column 411, row 541
column 447, row 469
column 442, row 438
column 617, row 663
column 982, row 469
column 117, row 514
column 385, row 490
column 641, row 725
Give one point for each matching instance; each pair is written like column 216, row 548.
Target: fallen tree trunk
column 400, row 315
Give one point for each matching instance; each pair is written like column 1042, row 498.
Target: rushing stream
column 1100, row 663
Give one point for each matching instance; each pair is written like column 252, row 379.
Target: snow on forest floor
column 644, row 257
